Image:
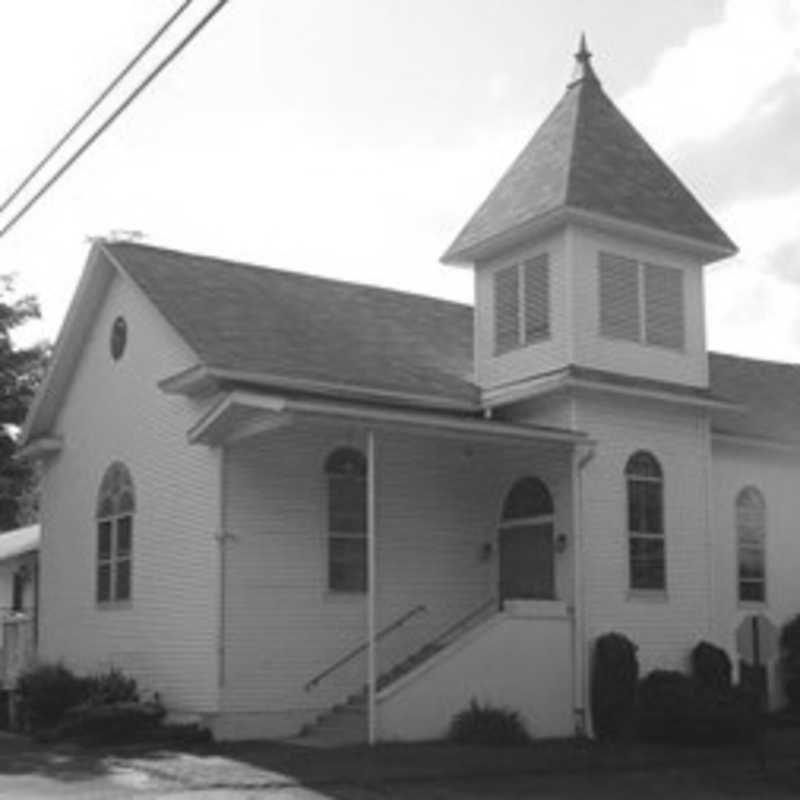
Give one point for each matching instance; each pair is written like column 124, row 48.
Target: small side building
column 19, row 593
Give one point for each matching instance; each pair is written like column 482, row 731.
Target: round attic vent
column 119, row 338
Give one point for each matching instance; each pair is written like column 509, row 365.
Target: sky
column 353, row 138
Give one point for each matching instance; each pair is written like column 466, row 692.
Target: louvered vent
column 663, row 299
column 619, row 297
column 506, row 309
column 536, row 276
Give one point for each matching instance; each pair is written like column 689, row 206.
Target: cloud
column 705, row 87
column 760, row 156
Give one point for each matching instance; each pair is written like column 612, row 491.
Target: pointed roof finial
column 583, row 66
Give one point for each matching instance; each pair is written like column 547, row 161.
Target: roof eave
column 543, row 223
column 203, row 379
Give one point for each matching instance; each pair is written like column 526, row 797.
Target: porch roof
column 241, row 414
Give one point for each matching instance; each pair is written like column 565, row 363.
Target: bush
column 677, row 709
column 46, row 692
column 615, row 671
column 49, row 692
column 485, row 725
column 790, row 662
column 114, row 722
column 111, row 687
column 711, row 667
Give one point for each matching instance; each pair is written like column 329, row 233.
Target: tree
column 21, row 370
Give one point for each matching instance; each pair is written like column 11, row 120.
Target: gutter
column 201, row 378
column 438, row 423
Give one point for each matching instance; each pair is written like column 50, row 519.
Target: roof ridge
column 578, row 86
column 292, row 274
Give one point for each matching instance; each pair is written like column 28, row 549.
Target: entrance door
column 527, row 553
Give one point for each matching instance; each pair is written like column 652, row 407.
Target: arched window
column 346, row 471
column 116, row 503
column 645, row 485
column 751, row 536
column 528, row 498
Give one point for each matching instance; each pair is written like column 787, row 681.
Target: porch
column 464, row 551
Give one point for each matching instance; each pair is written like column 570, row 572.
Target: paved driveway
column 277, row 772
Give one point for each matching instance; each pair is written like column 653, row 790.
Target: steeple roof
column 587, row 156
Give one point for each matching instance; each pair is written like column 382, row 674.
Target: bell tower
column 588, row 256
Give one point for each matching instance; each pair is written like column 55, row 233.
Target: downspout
column 710, row 530
column 222, row 537
column 580, row 459
column 372, row 722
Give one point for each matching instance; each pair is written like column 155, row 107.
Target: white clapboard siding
column 114, row 411
column 506, row 309
column 663, row 299
column 776, row 475
column 664, row 625
column 536, row 282
column 619, row 297
column 438, row 503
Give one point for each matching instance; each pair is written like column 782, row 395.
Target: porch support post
column 372, row 727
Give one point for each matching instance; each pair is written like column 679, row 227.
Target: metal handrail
column 400, row 621
column 464, row 621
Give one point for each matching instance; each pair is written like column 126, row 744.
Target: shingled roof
column 768, row 391
column 262, row 321
column 587, row 156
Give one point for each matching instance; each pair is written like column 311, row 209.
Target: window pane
column 751, row 563
column 104, row 540
column 124, row 525
column 125, row 503
column 347, row 505
column 752, row 591
column 647, row 563
column 643, row 465
column 103, row 583
column 529, row 497
column 123, row 587
column 348, row 565
column 653, row 512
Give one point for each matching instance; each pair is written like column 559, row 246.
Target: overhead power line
column 162, row 65
column 90, row 110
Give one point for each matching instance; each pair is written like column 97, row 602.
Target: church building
column 296, row 505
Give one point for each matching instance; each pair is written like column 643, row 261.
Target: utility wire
column 86, row 114
column 162, row 65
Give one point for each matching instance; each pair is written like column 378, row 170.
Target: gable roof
column 257, row 321
column 587, row 156
column 261, row 321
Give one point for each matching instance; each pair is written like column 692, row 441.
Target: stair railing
column 356, row 651
column 465, row 623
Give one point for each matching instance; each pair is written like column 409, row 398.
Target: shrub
column 615, row 671
column 46, row 692
column 49, row 691
column 711, row 667
column 485, row 725
column 113, row 722
column 677, row 709
column 790, row 661
column 111, row 687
